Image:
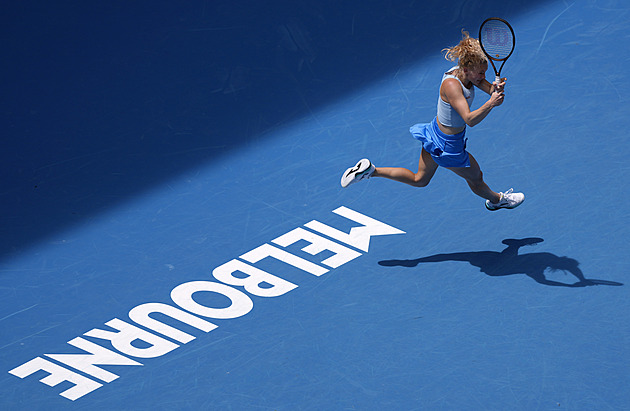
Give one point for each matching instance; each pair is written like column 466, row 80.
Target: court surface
column 171, row 207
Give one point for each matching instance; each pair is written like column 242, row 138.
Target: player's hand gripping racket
column 497, row 41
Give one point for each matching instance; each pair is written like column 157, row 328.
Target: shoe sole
column 499, row 208
column 358, row 173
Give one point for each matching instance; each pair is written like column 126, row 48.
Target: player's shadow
column 509, row 262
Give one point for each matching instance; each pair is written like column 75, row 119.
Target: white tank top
column 445, row 112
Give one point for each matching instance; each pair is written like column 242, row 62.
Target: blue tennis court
column 174, row 234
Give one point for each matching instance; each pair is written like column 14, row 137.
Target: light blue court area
column 175, row 237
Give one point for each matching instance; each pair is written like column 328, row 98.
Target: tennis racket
column 497, row 41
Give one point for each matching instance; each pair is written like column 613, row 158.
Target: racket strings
column 497, row 39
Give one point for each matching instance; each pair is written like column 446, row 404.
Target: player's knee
column 421, row 180
column 476, row 183
column 478, row 178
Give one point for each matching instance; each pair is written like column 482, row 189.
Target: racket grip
column 497, row 80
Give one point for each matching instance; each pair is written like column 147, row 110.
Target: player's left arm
column 489, row 88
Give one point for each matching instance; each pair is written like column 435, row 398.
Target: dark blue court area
column 175, row 236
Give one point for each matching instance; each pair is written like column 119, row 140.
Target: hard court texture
column 160, row 156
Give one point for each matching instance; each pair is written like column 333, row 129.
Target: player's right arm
column 451, row 92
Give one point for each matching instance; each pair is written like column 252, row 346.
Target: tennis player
column 444, row 139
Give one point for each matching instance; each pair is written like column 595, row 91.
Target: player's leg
column 426, row 170
column 494, row 200
column 474, row 178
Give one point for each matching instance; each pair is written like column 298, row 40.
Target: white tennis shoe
column 509, row 199
column 363, row 169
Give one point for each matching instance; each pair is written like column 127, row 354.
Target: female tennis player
column 443, row 140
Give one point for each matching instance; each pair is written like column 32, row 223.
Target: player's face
column 476, row 74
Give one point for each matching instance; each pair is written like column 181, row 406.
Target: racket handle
column 497, row 80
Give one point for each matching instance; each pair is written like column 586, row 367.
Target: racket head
column 496, row 38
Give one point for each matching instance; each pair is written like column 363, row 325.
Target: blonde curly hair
column 468, row 52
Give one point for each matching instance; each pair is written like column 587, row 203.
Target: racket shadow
column 510, row 262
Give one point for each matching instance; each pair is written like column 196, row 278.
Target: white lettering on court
column 189, row 311
column 358, row 237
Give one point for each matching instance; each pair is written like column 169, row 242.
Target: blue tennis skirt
column 447, row 150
